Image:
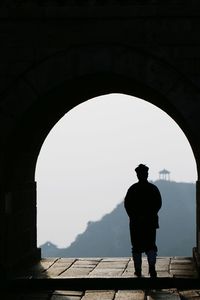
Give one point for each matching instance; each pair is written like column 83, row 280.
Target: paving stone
column 99, row 295
column 68, row 292
column 187, row 295
column 115, row 259
column 66, row 295
column 106, row 272
column 163, row 295
column 130, row 295
column 164, row 274
column 186, row 273
column 76, row 272
column 57, row 268
column 43, row 265
column 86, row 262
column 181, row 260
column 108, row 267
column 181, row 266
column 113, row 264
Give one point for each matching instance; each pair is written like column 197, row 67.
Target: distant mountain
column 110, row 235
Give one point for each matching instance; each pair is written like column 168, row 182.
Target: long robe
column 142, row 203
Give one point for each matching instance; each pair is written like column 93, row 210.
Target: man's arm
column 127, row 203
column 158, row 199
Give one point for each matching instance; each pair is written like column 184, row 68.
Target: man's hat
column 141, row 168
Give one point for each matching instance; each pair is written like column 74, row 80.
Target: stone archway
column 45, row 92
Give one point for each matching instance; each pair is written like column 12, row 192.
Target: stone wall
column 53, row 58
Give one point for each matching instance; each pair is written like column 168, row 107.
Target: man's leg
column 137, row 260
column 151, row 257
column 137, row 255
column 151, row 251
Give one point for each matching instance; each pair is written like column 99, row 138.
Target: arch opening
column 126, row 163
column 48, row 89
column 27, row 139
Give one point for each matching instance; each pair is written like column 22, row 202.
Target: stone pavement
column 51, row 273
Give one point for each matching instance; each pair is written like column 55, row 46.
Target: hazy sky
column 87, row 162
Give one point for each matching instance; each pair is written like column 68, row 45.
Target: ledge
column 81, row 284
column 31, row 11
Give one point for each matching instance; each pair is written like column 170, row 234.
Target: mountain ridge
column 109, row 236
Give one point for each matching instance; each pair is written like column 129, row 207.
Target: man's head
column 142, row 172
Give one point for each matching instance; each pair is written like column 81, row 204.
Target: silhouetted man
column 142, row 203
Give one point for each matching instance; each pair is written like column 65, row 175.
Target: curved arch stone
column 46, row 91
column 81, row 61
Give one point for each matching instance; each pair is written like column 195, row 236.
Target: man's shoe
column 138, row 273
column 152, row 272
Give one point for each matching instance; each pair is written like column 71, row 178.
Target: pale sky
column 87, row 161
